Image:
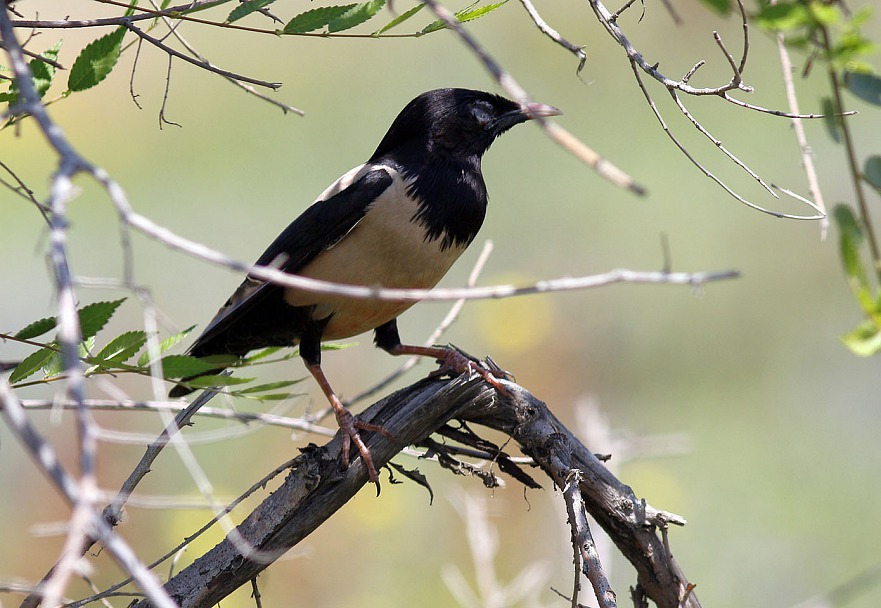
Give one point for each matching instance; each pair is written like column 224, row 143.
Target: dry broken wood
column 316, row 487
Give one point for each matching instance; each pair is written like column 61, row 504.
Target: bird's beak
column 538, row 110
column 525, row 112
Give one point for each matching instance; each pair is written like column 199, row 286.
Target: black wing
column 256, row 303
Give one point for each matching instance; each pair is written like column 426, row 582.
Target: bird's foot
column 350, row 427
column 456, row 361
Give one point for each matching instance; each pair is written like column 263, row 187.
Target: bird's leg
column 451, row 359
column 310, row 352
column 348, row 423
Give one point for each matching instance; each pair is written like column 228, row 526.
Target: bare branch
column 129, row 25
column 316, row 488
column 554, row 35
column 46, row 458
column 506, row 81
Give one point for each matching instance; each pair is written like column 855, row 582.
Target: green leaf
column 31, row 364
column 180, row 366
column 469, row 13
column 316, row 18
column 399, row 19
column 865, row 86
column 824, row 14
column 262, row 354
column 872, row 172
column 167, row 343
column 831, row 119
column 265, row 397
column 93, row 317
column 355, row 16
column 123, row 347
column 850, row 239
column 783, row 16
column 246, row 8
column 43, row 72
column 478, row 12
column 865, row 340
column 723, row 7
column 37, row 328
column 95, row 61
column 269, row 386
column 218, row 380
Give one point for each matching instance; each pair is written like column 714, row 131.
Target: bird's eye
column 482, row 112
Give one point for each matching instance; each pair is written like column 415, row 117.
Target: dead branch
column 316, row 488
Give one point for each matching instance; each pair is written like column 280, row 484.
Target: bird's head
column 459, row 122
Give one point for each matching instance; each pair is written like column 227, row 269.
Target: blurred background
column 763, row 428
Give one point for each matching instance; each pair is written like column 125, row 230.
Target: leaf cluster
column 99, row 57
column 337, row 18
column 829, row 34
column 116, row 354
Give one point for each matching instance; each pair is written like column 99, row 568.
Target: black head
column 455, row 122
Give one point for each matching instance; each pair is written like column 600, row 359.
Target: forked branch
column 316, row 488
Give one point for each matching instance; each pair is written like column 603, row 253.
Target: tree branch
column 316, row 488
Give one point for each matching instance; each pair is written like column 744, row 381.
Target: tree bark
column 316, row 487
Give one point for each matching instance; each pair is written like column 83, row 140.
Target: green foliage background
column 780, row 482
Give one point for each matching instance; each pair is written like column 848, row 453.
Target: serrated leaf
column 267, row 397
column 95, row 61
column 865, row 86
column 355, row 16
column 262, row 354
column 54, row 365
column 216, row 380
column 123, row 347
column 37, row 328
column 246, row 8
column 478, row 12
column 180, row 366
column 469, row 13
column 43, row 72
column 865, row 340
column 167, row 343
column 31, row 364
column 399, row 20
column 872, row 171
column 314, row 19
column 269, row 386
column 93, row 317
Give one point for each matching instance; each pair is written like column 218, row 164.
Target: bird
column 400, row 220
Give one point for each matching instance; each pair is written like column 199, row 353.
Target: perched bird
column 400, row 220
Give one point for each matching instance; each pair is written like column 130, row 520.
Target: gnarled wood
column 316, row 487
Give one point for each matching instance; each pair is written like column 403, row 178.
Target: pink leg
column 349, row 424
column 451, row 360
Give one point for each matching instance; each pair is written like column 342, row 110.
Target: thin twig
column 507, row 82
column 175, row 31
column 547, row 30
column 129, row 25
column 46, row 458
column 807, row 157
